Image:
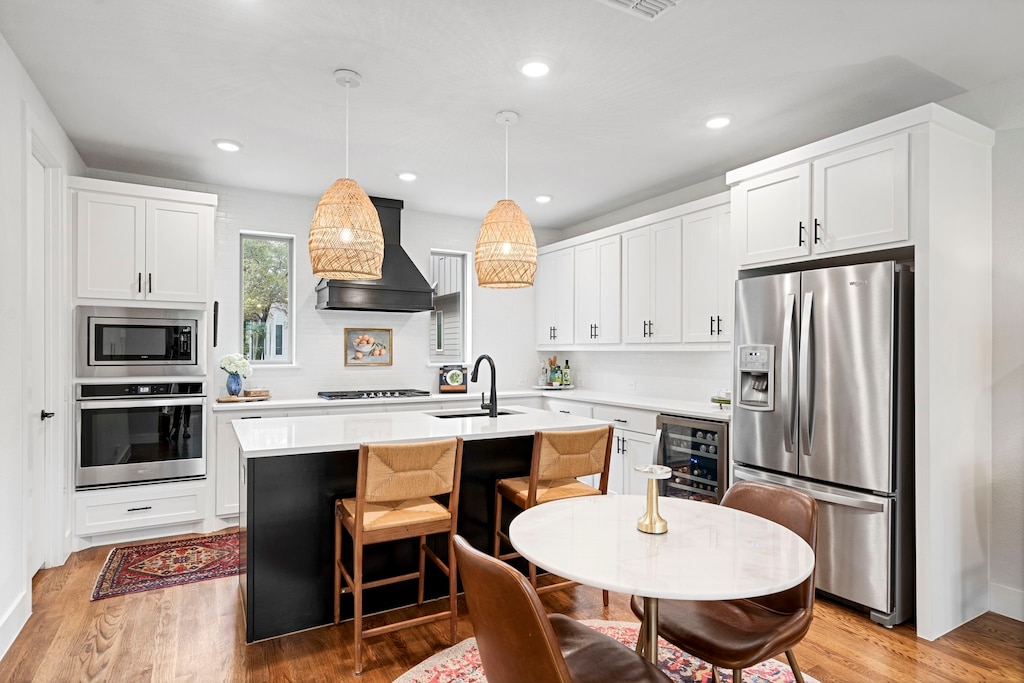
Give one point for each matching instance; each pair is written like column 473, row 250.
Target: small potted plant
column 238, row 368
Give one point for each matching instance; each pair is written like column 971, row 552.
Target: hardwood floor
column 196, row 633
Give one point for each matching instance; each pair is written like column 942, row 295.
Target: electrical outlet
column 631, row 385
column 522, row 381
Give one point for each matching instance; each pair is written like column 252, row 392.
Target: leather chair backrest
column 515, row 638
column 794, row 510
column 571, row 454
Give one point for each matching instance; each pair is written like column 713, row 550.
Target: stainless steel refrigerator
column 823, row 402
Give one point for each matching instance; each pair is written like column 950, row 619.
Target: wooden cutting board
column 240, row 399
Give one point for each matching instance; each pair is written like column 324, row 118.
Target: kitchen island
column 292, row 469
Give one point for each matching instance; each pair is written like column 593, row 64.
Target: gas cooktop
column 372, row 393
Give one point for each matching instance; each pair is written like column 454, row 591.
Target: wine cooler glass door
column 696, row 452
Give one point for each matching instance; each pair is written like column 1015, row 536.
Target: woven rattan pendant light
column 345, row 239
column 506, row 253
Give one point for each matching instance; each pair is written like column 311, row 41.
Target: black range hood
column 401, row 287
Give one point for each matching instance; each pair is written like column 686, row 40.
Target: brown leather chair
column 395, row 489
column 559, row 457
column 519, row 642
column 735, row 634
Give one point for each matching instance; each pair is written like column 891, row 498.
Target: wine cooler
column 697, row 451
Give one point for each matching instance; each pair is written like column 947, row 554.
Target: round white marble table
column 710, row 552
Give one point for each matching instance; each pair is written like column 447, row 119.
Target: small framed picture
column 368, row 347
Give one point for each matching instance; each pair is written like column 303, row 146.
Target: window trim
column 467, row 308
column 290, row 241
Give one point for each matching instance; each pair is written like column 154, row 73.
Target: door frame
column 56, row 344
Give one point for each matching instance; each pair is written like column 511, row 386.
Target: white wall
column 502, row 320
column 19, row 102
column 679, row 375
column 1007, row 560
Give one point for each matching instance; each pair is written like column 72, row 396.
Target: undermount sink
column 445, row 414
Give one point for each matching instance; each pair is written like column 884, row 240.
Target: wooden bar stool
column 395, row 489
column 558, row 458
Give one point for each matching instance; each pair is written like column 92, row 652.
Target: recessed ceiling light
column 407, row 176
column 534, row 67
column 228, row 145
column 718, row 121
column 543, row 198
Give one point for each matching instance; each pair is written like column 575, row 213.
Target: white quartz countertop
column 699, row 409
column 706, row 410
column 326, row 433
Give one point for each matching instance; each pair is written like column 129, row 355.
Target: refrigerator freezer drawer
column 855, row 541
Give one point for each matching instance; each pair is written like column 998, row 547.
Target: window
column 267, row 277
column 448, row 337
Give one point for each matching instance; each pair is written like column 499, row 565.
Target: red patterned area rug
column 461, row 662
column 137, row 568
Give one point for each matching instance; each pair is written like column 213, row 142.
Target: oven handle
column 101, row 404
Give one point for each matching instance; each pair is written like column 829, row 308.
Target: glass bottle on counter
column 566, row 374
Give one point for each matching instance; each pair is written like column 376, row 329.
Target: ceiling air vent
column 645, row 9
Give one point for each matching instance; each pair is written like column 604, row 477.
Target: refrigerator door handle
column 786, row 390
column 806, row 386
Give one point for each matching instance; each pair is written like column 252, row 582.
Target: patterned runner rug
column 137, row 568
column 461, row 662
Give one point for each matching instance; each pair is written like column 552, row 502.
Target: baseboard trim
column 14, row 620
column 1007, row 601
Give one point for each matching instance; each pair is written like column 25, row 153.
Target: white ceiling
column 143, row 86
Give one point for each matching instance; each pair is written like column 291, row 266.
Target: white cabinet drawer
column 568, row 407
column 138, row 508
column 627, row 418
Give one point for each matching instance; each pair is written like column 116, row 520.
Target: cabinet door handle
column 147, row 507
column 150, row 283
column 800, row 233
column 43, row 414
column 817, row 224
column 719, row 324
column 650, row 328
column 140, row 283
column 564, row 411
column 712, row 325
column 619, row 419
column 554, row 333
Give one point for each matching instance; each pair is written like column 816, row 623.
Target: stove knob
column 388, row 394
column 363, row 395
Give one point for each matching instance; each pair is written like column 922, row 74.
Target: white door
column 700, row 276
column 862, row 196
column 666, row 322
column 609, row 267
column 588, row 293
column 636, row 285
column 639, row 450
column 726, row 275
column 110, row 231
column 553, row 297
column 773, row 214
column 176, row 246
column 34, row 365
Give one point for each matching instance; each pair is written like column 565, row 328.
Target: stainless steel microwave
column 135, row 342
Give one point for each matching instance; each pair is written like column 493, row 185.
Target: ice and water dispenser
column 756, row 369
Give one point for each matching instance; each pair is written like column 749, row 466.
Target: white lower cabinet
column 226, row 458
column 633, row 444
column 137, row 507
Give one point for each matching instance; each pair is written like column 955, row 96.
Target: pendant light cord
column 506, row 161
column 347, row 88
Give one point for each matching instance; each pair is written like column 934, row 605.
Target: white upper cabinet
column 852, row 199
column 598, row 306
column 708, row 276
column 136, row 243
column 553, row 292
column 652, row 283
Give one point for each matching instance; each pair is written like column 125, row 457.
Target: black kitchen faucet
column 492, row 407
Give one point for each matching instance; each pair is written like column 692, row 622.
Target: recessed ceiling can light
column 534, row 67
column 543, row 198
column 407, row 176
column 718, row 121
column 228, row 145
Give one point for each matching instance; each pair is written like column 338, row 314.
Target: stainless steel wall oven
column 134, row 433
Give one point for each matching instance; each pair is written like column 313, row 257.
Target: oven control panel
column 140, row 390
